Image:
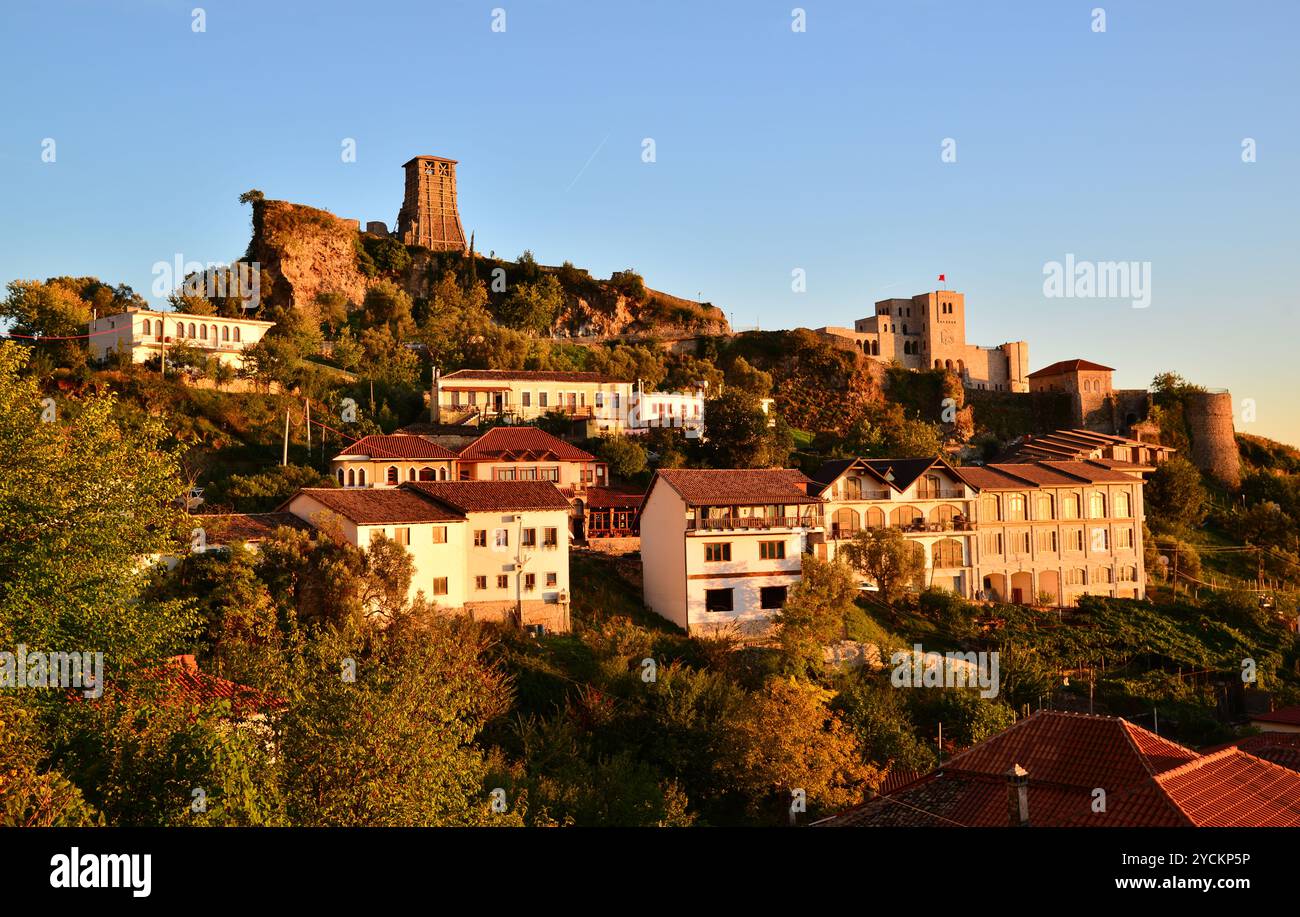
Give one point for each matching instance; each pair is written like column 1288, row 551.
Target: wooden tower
column 429, row 216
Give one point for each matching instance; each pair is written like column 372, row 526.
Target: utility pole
column 308, row 418
column 285, row 460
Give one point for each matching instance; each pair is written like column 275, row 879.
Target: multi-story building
column 145, row 333
column 524, row 395
column 387, row 461
column 495, row 550
column 721, row 547
column 600, row 403
column 1050, row 532
column 925, row 499
column 928, row 331
column 529, row 454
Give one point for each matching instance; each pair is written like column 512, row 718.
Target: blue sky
column 775, row 150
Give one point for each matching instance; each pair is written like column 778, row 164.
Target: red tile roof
column 524, row 375
column 1028, row 475
column 1286, row 716
column 605, row 497
column 489, row 496
column 1069, row 366
column 1149, row 781
column 227, row 528
column 1281, row 748
column 186, row 683
column 522, row 444
column 737, row 486
column 379, row 506
column 403, row 446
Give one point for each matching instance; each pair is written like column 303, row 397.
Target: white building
column 493, row 549
column 721, row 547
column 684, row 410
column 146, row 334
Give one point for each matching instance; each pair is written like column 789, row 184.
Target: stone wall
column 1214, row 441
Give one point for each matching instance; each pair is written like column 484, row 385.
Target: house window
column 361, row 477
column 236, row 334
column 717, row 600
column 530, row 538
column 502, row 538
column 1047, row 541
column 1016, row 506
column 403, row 537
column 505, row 474
column 1125, row 538
column 480, row 583
column 1128, row 574
column 550, row 537
column 771, row 596
column 1074, row 539
column 993, row 542
column 1097, row 505
column 439, row 534
column 392, row 474
column 530, row 582
column 526, row 399
column 426, row 474
column 1123, row 505
column 1076, row 577
column 947, row 554
column 340, row 474
column 600, row 400
column 990, row 509
column 225, row 332
column 1044, row 507
column 552, row 579
column 542, row 399
column 480, row 538
column 717, row 552
column 503, row 581
column 440, row 585
column 1070, row 506
column 771, row 550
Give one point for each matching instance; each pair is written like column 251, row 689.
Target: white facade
column 146, row 334
column 682, row 410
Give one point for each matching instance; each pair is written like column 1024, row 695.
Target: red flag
column 940, row 277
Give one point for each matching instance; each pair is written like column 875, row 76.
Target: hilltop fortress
column 928, row 331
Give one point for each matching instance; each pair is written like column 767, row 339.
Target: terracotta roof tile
column 1287, row 716
column 489, row 496
column 735, row 486
column 402, row 446
column 227, row 528
column 522, row 444
column 1069, row 366
column 380, row 506
column 524, row 375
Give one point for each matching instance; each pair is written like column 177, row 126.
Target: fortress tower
column 429, row 216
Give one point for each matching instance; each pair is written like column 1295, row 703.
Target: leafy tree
column 888, row 557
column 533, row 306
column 628, row 283
column 626, row 459
column 265, row 490
column 882, row 723
column 396, row 746
column 388, row 305
column 1175, row 496
column 737, row 434
column 32, row 796
column 785, row 739
column 815, row 610
column 387, row 254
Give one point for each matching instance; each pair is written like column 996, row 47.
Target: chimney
column 435, row 396
column 1018, row 796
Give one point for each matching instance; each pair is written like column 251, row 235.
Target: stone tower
column 429, row 215
column 1214, row 441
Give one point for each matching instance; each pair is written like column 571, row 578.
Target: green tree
column 737, row 434
column 815, row 611
column 533, row 306
column 888, row 558
column 626, row 459
column 1175, row 496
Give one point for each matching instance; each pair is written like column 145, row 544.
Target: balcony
column 743, row 523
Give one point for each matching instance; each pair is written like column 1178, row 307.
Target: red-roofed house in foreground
column 1057, row 769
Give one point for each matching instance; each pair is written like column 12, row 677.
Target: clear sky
column 775, row 150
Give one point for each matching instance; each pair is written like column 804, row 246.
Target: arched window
column 214, row 334
column 1096, row 505
column 1123, row 505
column 905, row 516
column 203, row 332
column 1103, row 575
column 904, row 329
column 352, row 477
column 442, row 474
column 158, row 328
column 361, row 477
column 225, row 332
column 426, row 474
column 410, row 474
column 961, row 367
column 235, row 332
column 990, row 508
column 946, row 554
column 340, row 477
column 947, row 364
column 1070, row 506
column 393, row 477
column 938, row 364
column 875, row 517
column 945, row 514
column 1016, row 507
column 1076, row 576
column 1128, row 574
column 192, row 332
column 1044, row 507
column 845, row 523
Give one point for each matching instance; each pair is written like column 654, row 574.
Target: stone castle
column 928, row 331
column 430, row 215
